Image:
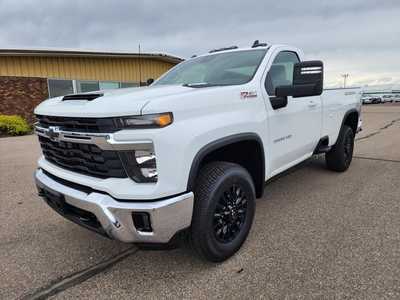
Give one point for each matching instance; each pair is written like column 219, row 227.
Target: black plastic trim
column 88, row 97
column 75, row 214
column 350, row 111
column 223, row 49
column 322, row 146
column 207, row 149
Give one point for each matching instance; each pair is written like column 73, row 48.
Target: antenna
column 140, row 68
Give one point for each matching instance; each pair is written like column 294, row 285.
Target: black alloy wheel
column 230, row 214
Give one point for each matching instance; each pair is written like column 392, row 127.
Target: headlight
column 146, row 121
column 140, row 165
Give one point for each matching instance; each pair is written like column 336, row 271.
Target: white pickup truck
column 187, row 156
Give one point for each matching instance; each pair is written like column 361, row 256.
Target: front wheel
column 340, row 156
column 223, row 210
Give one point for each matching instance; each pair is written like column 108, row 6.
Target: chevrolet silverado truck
column 187, row 156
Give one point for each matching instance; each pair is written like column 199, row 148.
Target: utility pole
column 345, row 76
column 140, row 68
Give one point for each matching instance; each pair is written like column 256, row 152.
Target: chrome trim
column 105, row 141
column 167, row 216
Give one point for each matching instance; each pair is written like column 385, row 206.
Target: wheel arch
column 350, row 118
column 230, row 143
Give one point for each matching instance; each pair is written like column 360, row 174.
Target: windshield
column 228, row 68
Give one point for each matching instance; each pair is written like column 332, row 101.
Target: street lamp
column 345, row 76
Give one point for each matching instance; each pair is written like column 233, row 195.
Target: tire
column 220, row 223
column 340, row 156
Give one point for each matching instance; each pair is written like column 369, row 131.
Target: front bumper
column 102, row 213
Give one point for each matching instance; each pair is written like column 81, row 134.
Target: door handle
column 312, row 104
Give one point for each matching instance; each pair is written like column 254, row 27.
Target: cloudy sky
column 359, row 37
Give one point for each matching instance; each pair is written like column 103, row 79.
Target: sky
column 358, row 37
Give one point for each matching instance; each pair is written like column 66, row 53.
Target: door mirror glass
column 307, row 80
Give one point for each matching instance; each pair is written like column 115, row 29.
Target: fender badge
column 245, row 95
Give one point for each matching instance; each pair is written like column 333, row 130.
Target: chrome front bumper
column 115, row 217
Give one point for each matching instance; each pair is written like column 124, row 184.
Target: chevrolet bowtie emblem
column 53, row 133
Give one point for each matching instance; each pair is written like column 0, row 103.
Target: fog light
column 142, row 222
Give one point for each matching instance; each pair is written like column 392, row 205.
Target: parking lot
column 317, row 234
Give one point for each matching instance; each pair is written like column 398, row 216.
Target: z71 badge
column 245, row 95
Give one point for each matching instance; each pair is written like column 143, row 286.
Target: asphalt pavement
column 316, row 235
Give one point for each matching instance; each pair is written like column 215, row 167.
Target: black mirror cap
column 149, row 81
column 308, row 78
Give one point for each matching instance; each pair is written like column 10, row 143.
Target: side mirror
column 150, row 81
column 278, row 102
column 308, row 78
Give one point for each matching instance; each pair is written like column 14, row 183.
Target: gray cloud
column 359, row 37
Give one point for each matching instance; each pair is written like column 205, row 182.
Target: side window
column 281, row 72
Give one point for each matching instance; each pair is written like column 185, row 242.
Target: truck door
column 294, row 130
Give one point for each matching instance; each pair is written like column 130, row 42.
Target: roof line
column 87, row 53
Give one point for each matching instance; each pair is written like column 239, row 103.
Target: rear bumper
column 102, row 213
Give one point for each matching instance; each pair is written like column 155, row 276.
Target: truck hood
column 120, row 102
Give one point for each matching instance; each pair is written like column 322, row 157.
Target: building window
column 108, row 85
column 129, row 84
column 61, row 87
column 58, row 87
column 87, row 86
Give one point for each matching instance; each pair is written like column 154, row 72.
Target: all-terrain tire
column 340, row 156
column 223, row 210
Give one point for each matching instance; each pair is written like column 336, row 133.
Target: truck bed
column 335, row 103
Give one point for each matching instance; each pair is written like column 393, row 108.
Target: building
column 27, row 77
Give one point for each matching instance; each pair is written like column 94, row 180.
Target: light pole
column 345, row 76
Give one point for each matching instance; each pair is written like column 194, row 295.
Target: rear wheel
column 340, row 156
column 223, row 211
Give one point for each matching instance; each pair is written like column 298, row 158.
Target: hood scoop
column 88, row 97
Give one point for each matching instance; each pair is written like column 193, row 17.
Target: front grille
column 93, row 125
column 83, row 158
